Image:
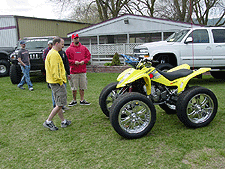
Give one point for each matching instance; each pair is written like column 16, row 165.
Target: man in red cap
column 78, row 56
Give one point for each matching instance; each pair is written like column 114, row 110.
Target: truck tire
column 15, row 74
column 4, row 68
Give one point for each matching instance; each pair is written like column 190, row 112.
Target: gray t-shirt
column 24, row 55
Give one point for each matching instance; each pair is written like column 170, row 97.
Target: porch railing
column 103, row 53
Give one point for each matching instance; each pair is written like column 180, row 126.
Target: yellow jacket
column 55, row 71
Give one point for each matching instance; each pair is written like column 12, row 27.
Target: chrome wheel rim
column 200, row 108
column 112, row 96
column 2, row 69
column 134, row 116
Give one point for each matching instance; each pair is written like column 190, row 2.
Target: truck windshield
column 32, row 44
column 177, row 36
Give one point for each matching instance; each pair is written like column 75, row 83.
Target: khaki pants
column 78, row 81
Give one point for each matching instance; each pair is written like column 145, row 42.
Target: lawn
column 91, row 142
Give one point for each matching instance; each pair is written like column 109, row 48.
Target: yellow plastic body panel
column 130, row 75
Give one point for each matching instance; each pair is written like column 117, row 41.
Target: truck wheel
column 133, row 115
column 218, row 74
column 197, row 107
column 4, row 68
column 15, row 74
column 164, row 66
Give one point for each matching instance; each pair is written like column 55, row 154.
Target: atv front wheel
column 197, row 107
column 133, row 115
column 108, row 95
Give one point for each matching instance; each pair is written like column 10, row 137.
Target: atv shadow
column 206, row 80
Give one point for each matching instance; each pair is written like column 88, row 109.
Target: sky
column 31, row 8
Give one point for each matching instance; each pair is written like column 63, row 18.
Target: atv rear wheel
column 133, row 115
column 197, row 107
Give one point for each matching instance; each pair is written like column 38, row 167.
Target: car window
column 219, row 35
column 177, row 36
column 200, row 36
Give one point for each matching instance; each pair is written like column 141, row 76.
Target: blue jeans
column 53, row 99
column 26, row 76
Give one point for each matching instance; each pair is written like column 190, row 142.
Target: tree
column 141, row 7
column 94, row 11
column 177, row 10
column 202, row 10
column 107, row 9
column 111, row 8
column 87, row 13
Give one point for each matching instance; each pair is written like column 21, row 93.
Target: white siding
column 8, row 31
column 136, row 25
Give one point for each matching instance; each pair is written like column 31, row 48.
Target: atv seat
column 176, row 74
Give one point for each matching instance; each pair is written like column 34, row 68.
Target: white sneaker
column 67, row 123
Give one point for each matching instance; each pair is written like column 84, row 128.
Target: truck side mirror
column 188, row 40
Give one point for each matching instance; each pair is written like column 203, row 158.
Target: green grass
column 91, row 142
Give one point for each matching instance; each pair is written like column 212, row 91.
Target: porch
column 103, row 53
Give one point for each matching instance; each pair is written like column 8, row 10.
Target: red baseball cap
column 75, row 35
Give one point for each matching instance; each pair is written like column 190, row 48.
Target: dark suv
column 35, row 46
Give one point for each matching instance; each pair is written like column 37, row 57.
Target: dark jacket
column 65, row 61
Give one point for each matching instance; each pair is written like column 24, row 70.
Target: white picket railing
column 103, row 53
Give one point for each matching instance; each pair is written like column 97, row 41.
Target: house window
column 145, row 37
column 110, row 38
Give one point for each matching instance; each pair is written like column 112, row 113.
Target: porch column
column 90, row 48
column 128, row 38
column 98, row 47
column 98, row 39
column 162, row 36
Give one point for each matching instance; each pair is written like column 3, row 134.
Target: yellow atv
column 129, row 103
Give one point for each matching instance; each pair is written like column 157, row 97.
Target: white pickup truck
column 198, row 47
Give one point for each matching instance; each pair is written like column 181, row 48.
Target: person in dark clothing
column 65, row 62
column 24, row 62
column 46, row 50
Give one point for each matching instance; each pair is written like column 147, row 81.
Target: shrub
column 107, row 64
column 116, row 60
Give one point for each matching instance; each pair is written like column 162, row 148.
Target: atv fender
column 184, row 81
column 130, row 75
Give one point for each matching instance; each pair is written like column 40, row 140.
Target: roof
column 59, row 20
column 127, row 24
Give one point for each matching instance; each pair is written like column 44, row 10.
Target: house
column 123, row 33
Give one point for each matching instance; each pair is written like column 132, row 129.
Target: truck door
column 218, row 47
column 199, row 52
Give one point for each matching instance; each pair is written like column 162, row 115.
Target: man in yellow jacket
column 56, row 77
